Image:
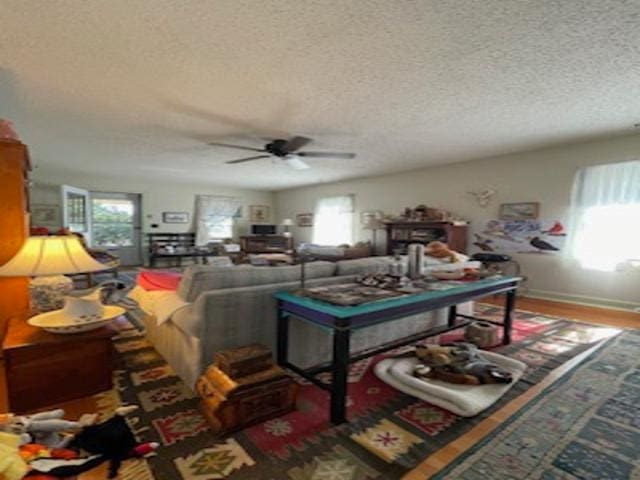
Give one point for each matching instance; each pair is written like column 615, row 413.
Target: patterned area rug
column 389, row 433
column 585, row 426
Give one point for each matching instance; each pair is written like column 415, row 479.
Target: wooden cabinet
column 44, row 368
column 401, row 234
column 14, row 206
column 265, row 243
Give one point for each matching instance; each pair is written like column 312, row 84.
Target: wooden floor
column 444, row 456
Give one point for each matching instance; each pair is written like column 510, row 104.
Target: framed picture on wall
column 259, row 213
column 519, row 211
column 304, row 219
column 175, row 217
column 45, row 215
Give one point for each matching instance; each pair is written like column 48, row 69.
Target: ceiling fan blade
column 327, row 154
column 229, row 145
column 297, row 142
column 248, row 159
column 221, row 119
column 295, row 162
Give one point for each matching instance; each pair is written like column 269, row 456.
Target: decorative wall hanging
column 520, row 236
column 45, row 215
column 175, row 217
column 305, row 219
column 259, row 213
column 519, row 211
column 483, row 197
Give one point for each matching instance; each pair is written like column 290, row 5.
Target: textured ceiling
column 135, row 87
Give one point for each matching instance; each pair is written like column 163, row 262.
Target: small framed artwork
column 304, row 219
column 43, row 215
column 519, row 211
column 259, row 213
column 370, row 216
column 175, row 217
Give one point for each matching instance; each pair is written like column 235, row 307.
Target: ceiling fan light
column 295, row 162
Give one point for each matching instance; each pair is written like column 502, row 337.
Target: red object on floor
column 145, row 449
column 159, row 280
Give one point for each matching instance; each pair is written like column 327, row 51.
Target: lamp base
column 48, row 292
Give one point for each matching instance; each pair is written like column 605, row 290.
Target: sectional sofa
column 218, row 308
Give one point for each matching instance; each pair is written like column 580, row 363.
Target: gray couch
column 234, row 306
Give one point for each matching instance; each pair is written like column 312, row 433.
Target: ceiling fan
column 286, row 150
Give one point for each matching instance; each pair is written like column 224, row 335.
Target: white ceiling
column 133, row 87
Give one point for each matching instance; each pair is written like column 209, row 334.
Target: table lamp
column 374, row 224
column 287, row 223
column 46, row 259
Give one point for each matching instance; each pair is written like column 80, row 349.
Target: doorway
column 116, row 225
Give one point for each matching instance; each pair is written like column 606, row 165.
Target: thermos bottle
column 416, row 261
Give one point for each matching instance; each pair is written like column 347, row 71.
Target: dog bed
column 463, row 400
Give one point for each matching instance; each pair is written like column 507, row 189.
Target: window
column 215, row 217
column 112, row 222
column 605, row 232
column 333, row 222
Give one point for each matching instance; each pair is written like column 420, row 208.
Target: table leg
column 282, row 349
column 453, row 314
column 509, row 302
column 340, row 370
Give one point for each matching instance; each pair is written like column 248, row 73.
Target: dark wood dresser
column 43, row 369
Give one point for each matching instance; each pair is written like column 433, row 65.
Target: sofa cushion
column 201, row 278
column 363, row 266
column 158, row 280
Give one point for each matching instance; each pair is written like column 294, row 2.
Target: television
column 263, row 229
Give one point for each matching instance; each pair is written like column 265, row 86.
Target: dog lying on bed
column 457, row 363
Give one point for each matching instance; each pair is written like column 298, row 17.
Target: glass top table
column 341, row 321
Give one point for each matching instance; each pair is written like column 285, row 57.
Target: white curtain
column 214, row 217
column 605, row 216
column 333, row 221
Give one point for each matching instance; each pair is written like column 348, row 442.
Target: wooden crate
column 243, row 361
column 231, row 403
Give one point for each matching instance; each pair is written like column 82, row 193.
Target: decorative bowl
column 58, row 322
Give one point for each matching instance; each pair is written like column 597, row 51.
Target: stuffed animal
column 111, row 440
column 441, row 251
column 45, row 428
column 12, row 466
column 458, row 363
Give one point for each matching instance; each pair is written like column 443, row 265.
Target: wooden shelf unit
column 401, row 234
column 184, row 243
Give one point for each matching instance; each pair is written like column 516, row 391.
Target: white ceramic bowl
column 58, row 322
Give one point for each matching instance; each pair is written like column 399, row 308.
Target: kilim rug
column 389, row 433
column 585, row 426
